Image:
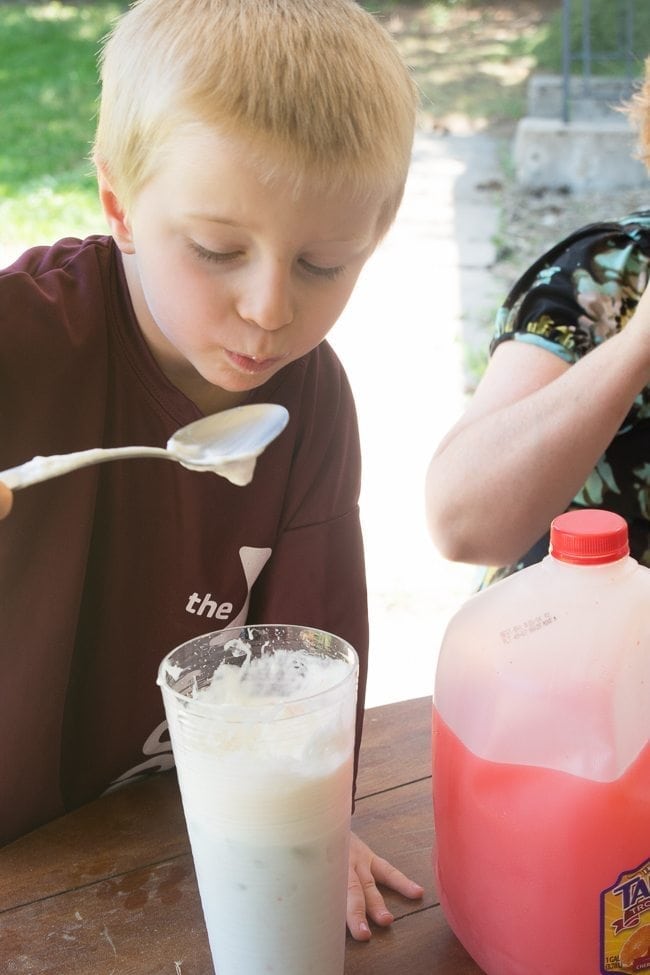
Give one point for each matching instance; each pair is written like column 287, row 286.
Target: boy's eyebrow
column 213, row 218
column 228, row 222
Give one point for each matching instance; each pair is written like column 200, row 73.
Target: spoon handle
column 43, row 468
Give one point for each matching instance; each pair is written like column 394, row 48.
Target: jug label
column 625, row 923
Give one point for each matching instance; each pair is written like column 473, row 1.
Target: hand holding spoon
column 226, row 443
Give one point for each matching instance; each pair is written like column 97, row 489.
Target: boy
column 250, row 155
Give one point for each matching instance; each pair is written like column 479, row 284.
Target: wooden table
column 110, row 888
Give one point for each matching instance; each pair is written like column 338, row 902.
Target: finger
column 388, row 875
column 6, row 500
column 375, row 905
column 356, row 908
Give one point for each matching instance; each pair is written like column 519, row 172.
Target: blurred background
column 471, row 58
column 492, row 75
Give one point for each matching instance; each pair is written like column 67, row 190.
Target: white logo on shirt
column 208, row 607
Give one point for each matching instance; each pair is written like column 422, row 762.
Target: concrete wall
column 593, row 151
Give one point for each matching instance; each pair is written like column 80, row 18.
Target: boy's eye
column 322, row 272
column 223, row 257
column 218, row 257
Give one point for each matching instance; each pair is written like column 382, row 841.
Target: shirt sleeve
column 580, row 292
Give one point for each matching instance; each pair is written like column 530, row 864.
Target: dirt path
column 471, row 61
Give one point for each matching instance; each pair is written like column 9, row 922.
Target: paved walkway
column 427, row 290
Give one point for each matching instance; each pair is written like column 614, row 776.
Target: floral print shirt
column 577, row 295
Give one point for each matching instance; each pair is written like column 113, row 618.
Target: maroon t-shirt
column 105, row 570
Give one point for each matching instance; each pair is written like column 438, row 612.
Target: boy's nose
column 267, row 302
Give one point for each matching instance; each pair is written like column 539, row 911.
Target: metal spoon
column 227, row 443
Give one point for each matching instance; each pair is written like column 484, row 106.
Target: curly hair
column 638, row 110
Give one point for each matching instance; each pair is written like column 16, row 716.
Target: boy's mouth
column 251, row 363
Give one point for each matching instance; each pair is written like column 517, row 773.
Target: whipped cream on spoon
column 226, row 443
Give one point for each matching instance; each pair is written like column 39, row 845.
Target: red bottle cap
column 589, row 537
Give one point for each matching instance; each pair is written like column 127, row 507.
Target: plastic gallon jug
column 541, row 761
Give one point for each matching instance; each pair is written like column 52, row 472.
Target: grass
column 48, row 77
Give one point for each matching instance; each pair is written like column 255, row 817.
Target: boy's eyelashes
column 221, row 257
column 217, row 257
column 322, row 272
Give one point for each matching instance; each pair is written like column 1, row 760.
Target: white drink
column 281, row 883
column 266, row 781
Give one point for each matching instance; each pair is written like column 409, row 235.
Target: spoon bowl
column 226, row 443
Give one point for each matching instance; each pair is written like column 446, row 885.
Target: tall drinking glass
column 262, row 721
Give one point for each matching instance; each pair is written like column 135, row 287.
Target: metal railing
column 621, row 51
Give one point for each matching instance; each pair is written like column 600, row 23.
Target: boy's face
column 232, row 279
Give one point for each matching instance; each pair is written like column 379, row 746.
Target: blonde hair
column 638, row 110
column 318, row 82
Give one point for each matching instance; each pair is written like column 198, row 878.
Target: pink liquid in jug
column 542, row 872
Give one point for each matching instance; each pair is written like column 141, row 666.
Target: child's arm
column 365, row 871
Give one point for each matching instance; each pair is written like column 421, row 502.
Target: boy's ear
column 115, row 213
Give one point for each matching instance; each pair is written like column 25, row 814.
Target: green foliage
column 48, row 79
column 607, row 37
